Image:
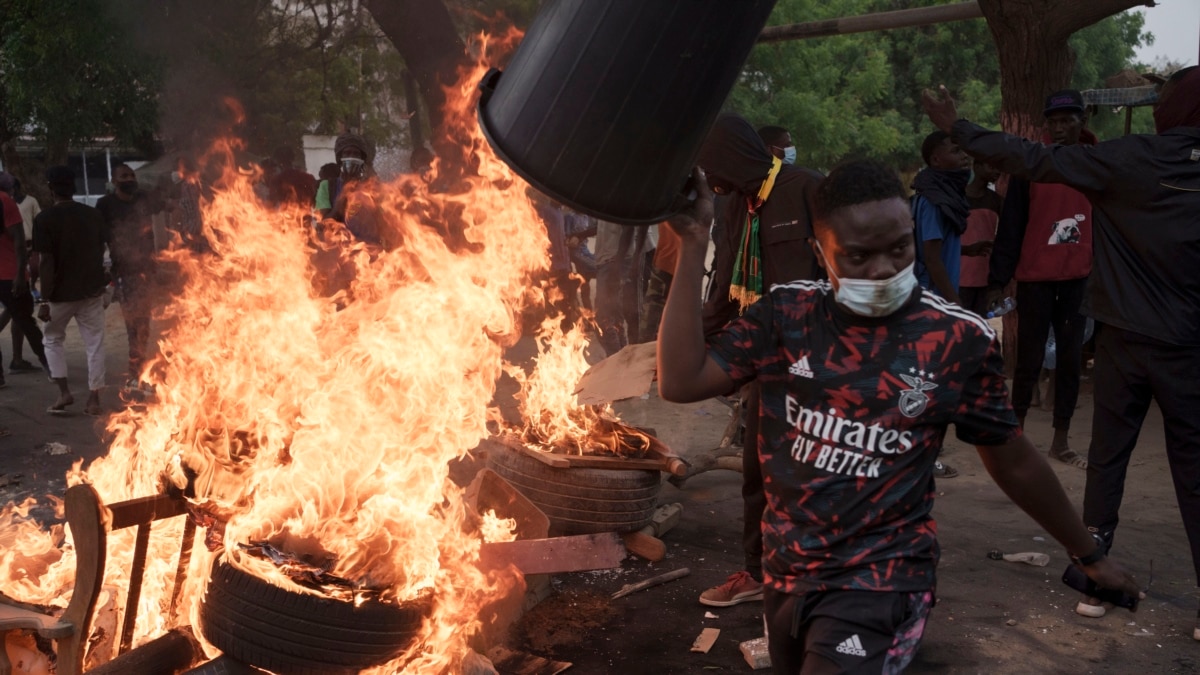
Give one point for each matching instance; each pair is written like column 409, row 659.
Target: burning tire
column 292, row 633
column 578, row 500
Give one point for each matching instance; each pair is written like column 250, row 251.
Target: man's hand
column 694, row 222
column 994, row 295
column 44, row 312
column 940, row 108
column 1108, row 573
column 979, row 248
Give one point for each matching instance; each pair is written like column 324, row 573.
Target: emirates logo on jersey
column 914, row 401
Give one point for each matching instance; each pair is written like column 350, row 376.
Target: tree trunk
column 1035, row 60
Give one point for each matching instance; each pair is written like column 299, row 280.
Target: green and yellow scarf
column 747, row 283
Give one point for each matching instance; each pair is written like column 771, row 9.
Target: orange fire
column 553, row 419
column 323, row 421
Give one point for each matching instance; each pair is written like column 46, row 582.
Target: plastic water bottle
column 1001, row 308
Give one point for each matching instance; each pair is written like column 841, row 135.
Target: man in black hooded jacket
column 764, row 241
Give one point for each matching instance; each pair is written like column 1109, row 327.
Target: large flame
column 323, row 423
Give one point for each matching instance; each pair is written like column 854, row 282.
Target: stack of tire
column 580, row 500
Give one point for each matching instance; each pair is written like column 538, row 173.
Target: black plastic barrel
column 606, row 102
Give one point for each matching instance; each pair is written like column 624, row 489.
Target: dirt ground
column 992, row 617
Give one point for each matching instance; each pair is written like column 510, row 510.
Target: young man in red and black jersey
column 860, row 378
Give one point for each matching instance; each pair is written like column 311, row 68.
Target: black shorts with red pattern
column 858, row 632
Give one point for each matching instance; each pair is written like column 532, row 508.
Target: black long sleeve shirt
column 1145, row 194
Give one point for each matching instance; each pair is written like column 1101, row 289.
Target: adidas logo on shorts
column 801, row 369
column 852, row 646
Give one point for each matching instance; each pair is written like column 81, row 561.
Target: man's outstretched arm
column 685, row 370
column 1031, row 484
column 1087, row 168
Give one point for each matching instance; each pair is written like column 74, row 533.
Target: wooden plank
column 577, row 553
column 490, row 492
column 137, row 575
column 145, row 510
column 548, row 458
column 606, row 462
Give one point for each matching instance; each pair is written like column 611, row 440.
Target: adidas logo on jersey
column 801, row 369
column 852, row 646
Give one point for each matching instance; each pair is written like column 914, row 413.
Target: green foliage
column 295, row 67
column 859, row 95
column 68, row 75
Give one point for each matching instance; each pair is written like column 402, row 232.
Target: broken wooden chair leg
column 729, row 461
column 645, row 543
column 651, row 582
column 169, row 653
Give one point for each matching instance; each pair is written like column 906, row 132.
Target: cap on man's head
column 1067, row 99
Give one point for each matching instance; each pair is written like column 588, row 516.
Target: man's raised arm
column 685, row 370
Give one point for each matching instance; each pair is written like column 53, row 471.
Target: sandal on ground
column 1070, row 458
column 1090, row 607
column 943, row 470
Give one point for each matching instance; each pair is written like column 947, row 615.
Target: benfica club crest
column 913, row 401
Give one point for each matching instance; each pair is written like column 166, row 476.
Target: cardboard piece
column 705, row 640
column 626, row 374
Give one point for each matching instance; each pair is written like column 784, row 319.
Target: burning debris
column 313, row 423
column 309, row 575
column 553, row 420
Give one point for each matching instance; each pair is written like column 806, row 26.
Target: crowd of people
column 851, row 315
column 67, row 262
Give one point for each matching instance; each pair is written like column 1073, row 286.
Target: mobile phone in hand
column 1076, row 578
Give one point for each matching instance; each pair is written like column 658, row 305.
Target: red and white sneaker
column 738, row 588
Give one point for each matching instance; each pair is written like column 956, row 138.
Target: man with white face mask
column 860, row 376
column 779, row 142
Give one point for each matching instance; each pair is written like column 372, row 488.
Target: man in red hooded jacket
column 1045, row 241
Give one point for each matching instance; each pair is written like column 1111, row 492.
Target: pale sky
column 1176, row 28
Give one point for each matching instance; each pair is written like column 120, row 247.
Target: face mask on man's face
column 871, row 297
column 127, row 186
column 353, row 167
column 789, row 154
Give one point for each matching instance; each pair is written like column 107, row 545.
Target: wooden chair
column 90, row 522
